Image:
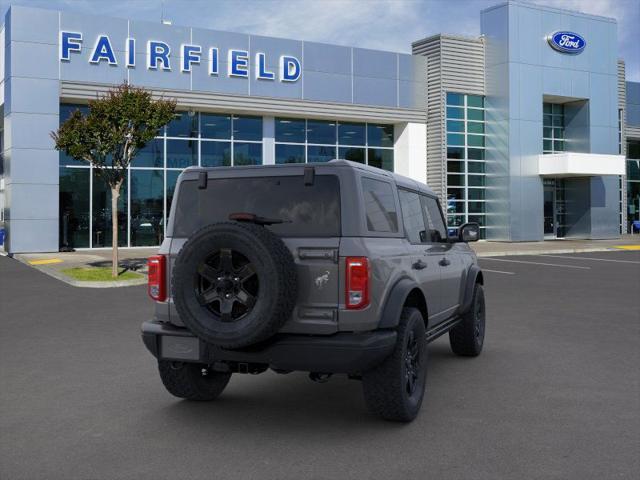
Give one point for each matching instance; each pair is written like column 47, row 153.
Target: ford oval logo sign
column 567, row 42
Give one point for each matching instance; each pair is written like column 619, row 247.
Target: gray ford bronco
column 325, row 268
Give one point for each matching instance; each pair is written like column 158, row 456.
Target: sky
column 378, row 24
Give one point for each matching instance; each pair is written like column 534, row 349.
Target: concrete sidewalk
column 499, row 249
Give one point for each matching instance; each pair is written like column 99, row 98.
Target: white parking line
column 498, row 271
column 535, row 263
column 591, row 258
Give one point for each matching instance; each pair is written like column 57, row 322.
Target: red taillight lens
column 156, row 285
column 357, row 286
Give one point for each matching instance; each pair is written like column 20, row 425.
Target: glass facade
column 465, row 130
column 552, row 128
column 633, row 183
column 306, row 140
column 192, row 138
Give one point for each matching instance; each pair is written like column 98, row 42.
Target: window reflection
column 147, row 199
column 74, row 207
column 102, row 213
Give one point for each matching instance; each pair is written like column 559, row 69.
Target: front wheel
column 192, row 381
column 466, row 338
column 394, row 389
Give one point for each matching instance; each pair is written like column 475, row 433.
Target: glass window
column 558, row 145
column 456, row 113
column 215, row 154
column 475, row 154
column 455, row 98
column 475, row 127
column 247, row 153
column 455, row 220
column 476, row 193
column 320, row 153
column 351, row 133
column 558, row 121
column 380, row 206
column 67, row 160
column 381, row 158
column 247, row 128
column 320, row 131
column 289, row 153
column 455, row 139
column 476, row 167
column 455, row 126
column 74, row 207
column 455, row 152
column 152, row 155
column 475, row 140
column 412, row 217
column 547, row 120
column 172, row 178
column 455, row 180
column 476, row 180
column 475, row 101
column 352, row 153
column 454, row 207
column 476, row 207
column 479, row 219
column 633, row 170
column 547, row 145
column 182, row 153
column 215, row 126
column 477, row 115
column 66, row 109
column 455, row 167
column 307, row 210
column 290, row 130
column 147, row 206
column 633, row 149
column 379, row 135
column 184, row 124
column 557, row 109
column 547, row 132
column 546, row 108
column 437, row 230
column 102, row 213
column 455, row 193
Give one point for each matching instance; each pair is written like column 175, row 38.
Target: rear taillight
column 156, row 285
column 357, row 285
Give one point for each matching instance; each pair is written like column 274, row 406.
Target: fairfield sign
column 159, row 56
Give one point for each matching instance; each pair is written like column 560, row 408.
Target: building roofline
column 521, row 3
column 466, row 38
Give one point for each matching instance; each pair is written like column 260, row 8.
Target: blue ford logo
column 567, row 42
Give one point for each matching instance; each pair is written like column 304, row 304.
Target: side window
column 437, row 229
column 412, row 216
column 380, row 206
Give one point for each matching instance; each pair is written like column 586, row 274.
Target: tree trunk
column 115, row 193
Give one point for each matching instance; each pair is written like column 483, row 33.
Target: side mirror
column 469, row 232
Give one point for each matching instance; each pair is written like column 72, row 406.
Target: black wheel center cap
column 226, row 285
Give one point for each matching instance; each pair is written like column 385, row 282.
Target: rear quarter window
column 306, row 210
column 380, row 206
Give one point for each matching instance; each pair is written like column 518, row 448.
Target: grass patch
column 98, row 274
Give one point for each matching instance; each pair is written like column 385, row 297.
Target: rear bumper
column 339, row 353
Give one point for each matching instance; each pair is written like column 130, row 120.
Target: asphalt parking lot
column 555, row 394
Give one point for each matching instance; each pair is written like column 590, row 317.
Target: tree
column 117, row 126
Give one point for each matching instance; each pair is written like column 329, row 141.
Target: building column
column 31, row 113
column 268, row 141
column 410, row 150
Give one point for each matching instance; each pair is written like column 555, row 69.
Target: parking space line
column 535, row 263
column 498, row 271
column 591, row 258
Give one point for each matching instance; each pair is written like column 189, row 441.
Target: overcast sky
column 378, row 24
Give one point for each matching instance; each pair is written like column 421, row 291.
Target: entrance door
column 554, row 208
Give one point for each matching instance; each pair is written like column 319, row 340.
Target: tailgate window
column 307, row 210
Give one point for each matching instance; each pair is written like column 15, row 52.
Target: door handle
column 419, row 265
column 444, row 262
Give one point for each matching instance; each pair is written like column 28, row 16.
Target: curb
column 83, row 284
column 546, row 252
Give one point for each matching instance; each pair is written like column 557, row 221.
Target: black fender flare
column 395, row 302
column 473, row 276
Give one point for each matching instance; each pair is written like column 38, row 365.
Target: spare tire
column 234, row 284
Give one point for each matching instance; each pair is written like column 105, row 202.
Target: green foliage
column 117, row 126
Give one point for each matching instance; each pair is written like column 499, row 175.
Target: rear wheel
column 466, row 338
column 394, row 390
column 192, row 381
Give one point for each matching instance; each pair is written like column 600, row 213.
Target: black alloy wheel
column 227, row 285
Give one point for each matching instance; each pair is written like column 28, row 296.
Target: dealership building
column 530, row 129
